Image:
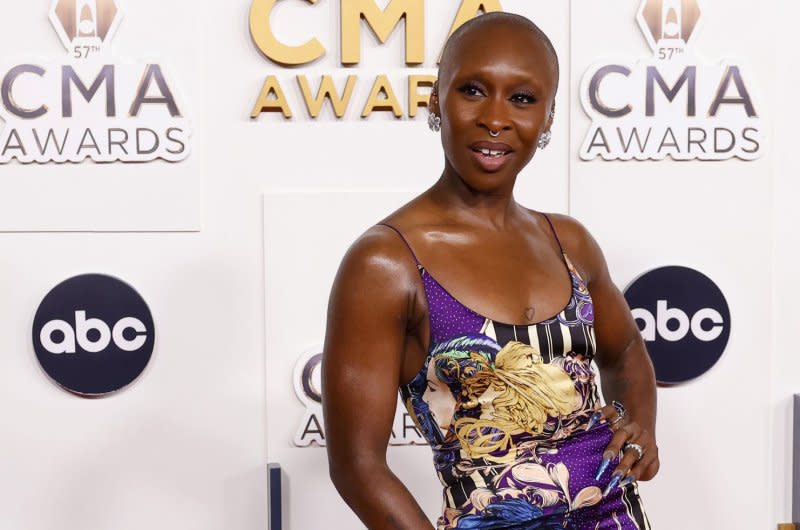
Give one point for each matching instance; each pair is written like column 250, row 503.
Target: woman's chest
column 507, row 283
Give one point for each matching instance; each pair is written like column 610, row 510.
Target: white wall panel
column 786, row 219
column 712, row 432
column 150, row 196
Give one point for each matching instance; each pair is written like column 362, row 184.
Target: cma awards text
column 311, row 431
column 105, row 112
column 681, row 108
column 382, row 95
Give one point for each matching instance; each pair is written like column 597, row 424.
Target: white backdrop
column 711, row 216
column 186, row 446
column 154, row 196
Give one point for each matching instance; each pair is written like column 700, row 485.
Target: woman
column 497, row 373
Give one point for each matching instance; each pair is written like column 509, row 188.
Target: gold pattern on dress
column 516, row 395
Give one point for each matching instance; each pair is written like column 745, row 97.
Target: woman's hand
column 637, row 445
column 626, row 372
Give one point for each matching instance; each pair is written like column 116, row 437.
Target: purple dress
column 505, row 409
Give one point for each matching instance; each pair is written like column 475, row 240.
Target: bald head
column 480, row 25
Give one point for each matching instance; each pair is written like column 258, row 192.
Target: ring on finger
column 636, row 447
column 619, row 406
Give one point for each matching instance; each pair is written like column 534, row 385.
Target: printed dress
column 505, row 410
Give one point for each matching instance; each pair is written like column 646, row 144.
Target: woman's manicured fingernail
column 594, row 419
column 611, row 485
column 628, row 480
column 603, row 467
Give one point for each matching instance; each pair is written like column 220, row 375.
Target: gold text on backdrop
column 382, row 95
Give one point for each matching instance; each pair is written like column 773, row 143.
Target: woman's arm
column 626, row 371
column 369, row 312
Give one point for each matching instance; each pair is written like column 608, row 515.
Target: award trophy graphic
column 671, row 20
column 669, row 24
column 85, row 26
column 86, row 18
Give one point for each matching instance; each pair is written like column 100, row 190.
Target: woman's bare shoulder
column 378, row 263
column 578, row 243
column 569, row 229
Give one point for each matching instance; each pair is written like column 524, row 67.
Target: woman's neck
column 492, row 209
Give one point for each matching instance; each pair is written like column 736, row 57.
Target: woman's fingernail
column 611, row 485
column 628, row 480
column 594, row 419
column 603, row 467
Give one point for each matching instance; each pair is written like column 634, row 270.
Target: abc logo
column 81, row 333
column 93, row 334
column 684, row 320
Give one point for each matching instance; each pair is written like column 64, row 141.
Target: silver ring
column 494, row 134
column 636, row 447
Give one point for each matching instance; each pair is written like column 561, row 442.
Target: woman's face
column 497, row 78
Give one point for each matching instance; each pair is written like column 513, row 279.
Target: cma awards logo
column 88, row 105
column 674, row 104
column 308, row 387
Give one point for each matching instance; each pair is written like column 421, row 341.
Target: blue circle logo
column 684, row 319
column 93, row 334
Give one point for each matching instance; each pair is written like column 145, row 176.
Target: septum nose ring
column 494, row 134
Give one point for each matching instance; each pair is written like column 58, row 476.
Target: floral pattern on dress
column 508, row 424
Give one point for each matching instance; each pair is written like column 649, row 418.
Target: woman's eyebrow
column 517, row 79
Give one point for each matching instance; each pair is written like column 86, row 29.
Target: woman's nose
column 494, row 114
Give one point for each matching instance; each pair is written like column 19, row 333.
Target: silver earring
column 544, row 139
column 434, row 122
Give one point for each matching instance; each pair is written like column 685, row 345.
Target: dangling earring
column 544, row 139
column 434, row 122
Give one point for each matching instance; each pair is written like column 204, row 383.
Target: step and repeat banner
column 83, row 97
column 672, row 175
column 289, row 127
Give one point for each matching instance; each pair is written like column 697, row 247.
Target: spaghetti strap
column 405, row 241
column 555, row 234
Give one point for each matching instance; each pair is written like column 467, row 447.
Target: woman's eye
column 471, row 90
column 523, row 98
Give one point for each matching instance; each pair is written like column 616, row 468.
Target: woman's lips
column 491, row 156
